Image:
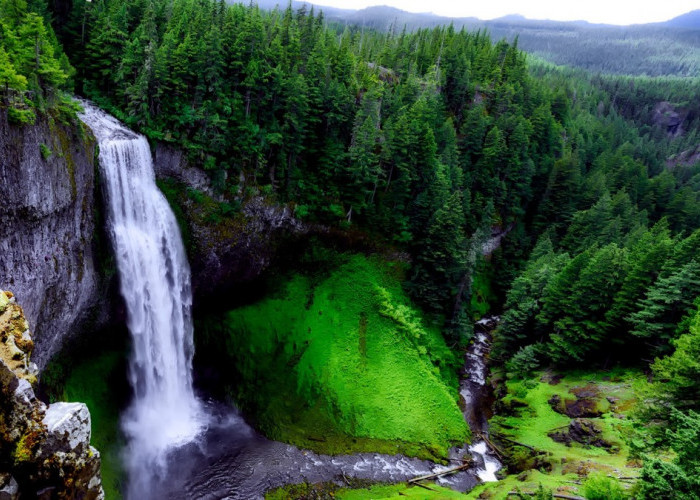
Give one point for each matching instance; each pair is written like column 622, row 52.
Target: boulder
column 582, row 431
column 9, row 489
column 47, row 447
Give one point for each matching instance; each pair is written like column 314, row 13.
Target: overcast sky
column 596, row 11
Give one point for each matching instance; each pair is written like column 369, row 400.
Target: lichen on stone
column 16, row 343
column 46, row 448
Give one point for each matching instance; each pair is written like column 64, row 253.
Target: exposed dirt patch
column 552, row 378
column 583, row 431
column 587, row 403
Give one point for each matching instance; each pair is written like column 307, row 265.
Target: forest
column 428, row 143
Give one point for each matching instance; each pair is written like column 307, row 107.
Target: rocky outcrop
column 236, row 249
column 587, row 403
column 687, row 158
column 669, row 118
column 170, row 162
column 45, row 451
column 224, row 249
column 48, row 228
column 582, row 431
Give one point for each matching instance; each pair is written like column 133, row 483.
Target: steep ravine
column 51, row 236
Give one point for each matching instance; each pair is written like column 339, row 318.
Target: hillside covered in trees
column 654, row 49
column 429, row 144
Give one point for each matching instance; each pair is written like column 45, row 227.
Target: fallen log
column 495, row 449
column 438, row 474
column 519, row 444
column 555, row 495
column 424, row 486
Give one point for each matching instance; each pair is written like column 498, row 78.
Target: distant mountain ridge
column 668, row 48
column 690, row 20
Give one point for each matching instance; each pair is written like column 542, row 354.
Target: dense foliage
column 420, row 138
column 33, row 68
column 430, row 141
column 613, row 274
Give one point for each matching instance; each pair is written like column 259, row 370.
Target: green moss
column 528, row 418
column 527, row 482
column 45, row 151
column 357, row 492
column 342, row 362
column 401, row 491
column 24, row 450
column 91, row 383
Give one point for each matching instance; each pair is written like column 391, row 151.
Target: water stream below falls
column 232, row 461
column 180, row 447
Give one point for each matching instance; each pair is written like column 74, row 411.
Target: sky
column 596, row 11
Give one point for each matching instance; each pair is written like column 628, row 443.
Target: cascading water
column 155, row 283
column 473, row 388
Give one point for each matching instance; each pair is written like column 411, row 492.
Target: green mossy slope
column 91, row 382
column 341, row 361
column 527, row 416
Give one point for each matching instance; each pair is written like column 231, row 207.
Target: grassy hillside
column 338, row 360
column 535, row 422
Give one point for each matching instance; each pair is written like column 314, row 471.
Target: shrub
column 599, row 486
column 523, row 362
column 45, row 151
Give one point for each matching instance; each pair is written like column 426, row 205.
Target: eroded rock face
column 47, row 229
column 170, row 162
column 44, row 451
column 669, row 118
column 238, row 250
column 224, row 251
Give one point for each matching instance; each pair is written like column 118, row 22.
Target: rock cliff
column 48, row 229
column 45, row 451
column 53, row 251
column 224, row 249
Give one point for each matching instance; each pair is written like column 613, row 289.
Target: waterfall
column 155, row 283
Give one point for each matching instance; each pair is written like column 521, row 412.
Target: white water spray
column 155, row 283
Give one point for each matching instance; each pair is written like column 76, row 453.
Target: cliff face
column 224, row 250
column 45, row 451
column 47, row 229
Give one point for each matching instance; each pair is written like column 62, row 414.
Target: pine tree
column 666, row 303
